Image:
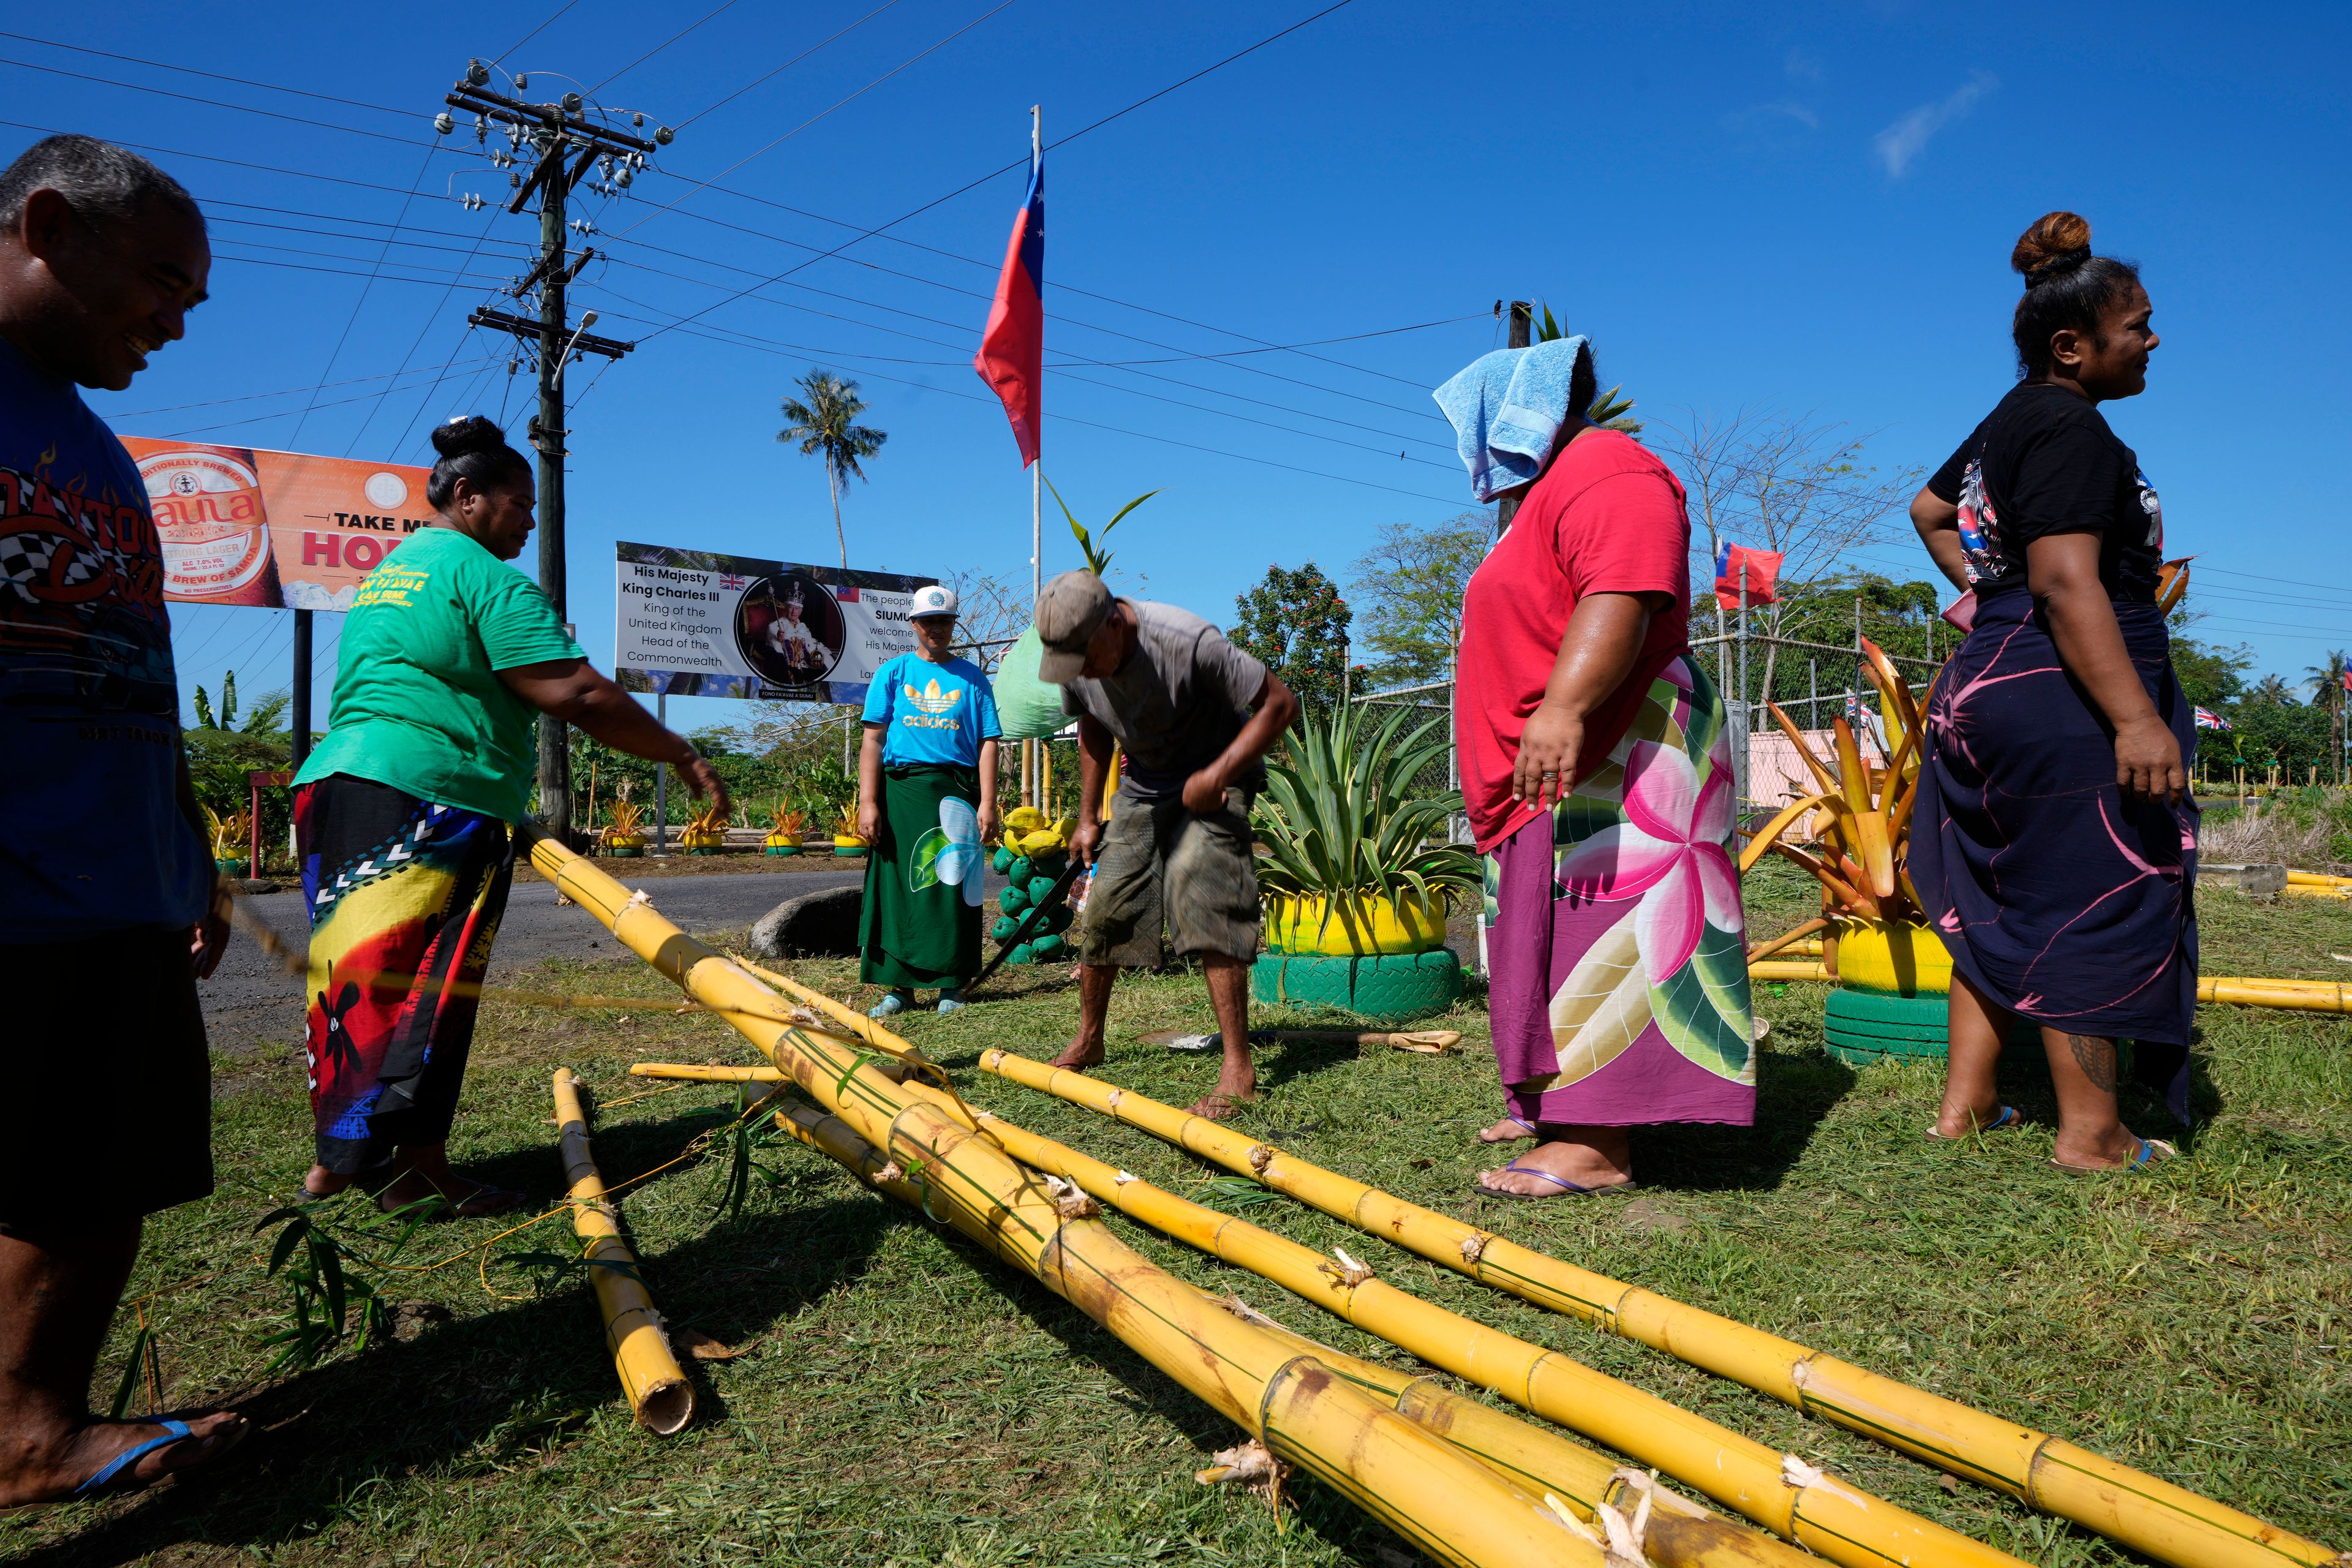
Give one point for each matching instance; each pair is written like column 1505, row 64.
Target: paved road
column 250, row 1005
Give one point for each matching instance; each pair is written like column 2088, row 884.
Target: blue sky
column 1803, row 207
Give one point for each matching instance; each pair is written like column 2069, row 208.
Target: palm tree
column 825, row 427
column 2327, row 683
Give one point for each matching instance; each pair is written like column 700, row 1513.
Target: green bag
column 1026, row 708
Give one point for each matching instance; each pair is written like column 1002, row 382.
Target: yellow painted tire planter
column 1896, row 959
column 849, row 844
column 1357, row 928
column 1892, row 996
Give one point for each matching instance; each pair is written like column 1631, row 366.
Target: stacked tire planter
column 1892, row 996
column 1383, row 962
column 1032, row 884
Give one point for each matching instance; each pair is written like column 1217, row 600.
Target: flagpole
column 1032, row 784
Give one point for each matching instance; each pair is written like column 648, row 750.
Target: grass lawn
column 900, row 1398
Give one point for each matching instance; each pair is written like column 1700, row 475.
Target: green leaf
column 923, row 866
column 1704, row 1008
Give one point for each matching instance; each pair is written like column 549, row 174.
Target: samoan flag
column 2208, row 720
column 1759, row 568
column 1012, row 357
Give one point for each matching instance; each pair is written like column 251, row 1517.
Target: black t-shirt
column 2047, row 463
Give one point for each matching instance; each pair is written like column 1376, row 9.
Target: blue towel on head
column 1506, row 408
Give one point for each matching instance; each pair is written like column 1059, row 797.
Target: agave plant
column 1860, row 820
column 230, row 833
column 1343, row 821
column 787, row 822
column 627, row 819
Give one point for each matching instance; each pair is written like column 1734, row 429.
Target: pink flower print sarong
column 1616, row 944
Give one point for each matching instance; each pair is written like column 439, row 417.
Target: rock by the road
column 814, row 925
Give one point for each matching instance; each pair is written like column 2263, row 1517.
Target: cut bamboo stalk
column 2296, row 889
column 2297, row 995
column 1822, row 1512
column 1445, row 1501
column 1789, row 969
column 2150, row 1515
column 657, row 1389
column 695, row 1073
column 2318, row 879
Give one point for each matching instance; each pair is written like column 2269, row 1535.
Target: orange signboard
column 244, row 526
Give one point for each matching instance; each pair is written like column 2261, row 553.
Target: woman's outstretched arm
column 572, row 689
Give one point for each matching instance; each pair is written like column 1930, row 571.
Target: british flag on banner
column 2208, row 720
column 728, row 580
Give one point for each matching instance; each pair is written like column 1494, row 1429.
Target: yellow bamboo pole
column 2296, row 996
column 657, row 1390
column 1788, row 969
column 1817, row 1510
column 2330, row 890
column 2150, row 1515
column 695, row 1072
column 2320, row 879
column 1443, row 1499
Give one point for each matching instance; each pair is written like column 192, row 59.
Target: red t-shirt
column 1606, row 518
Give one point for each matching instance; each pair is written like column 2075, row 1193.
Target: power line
column 1023, row 163
column 336, row 99
column 400, row 444
column 787, row 65
column 214, row 158
column 418, row 342
column 837, row 103
column 535, row 32
column 214, row 102
column 369, row 286
column 246, row 397
column 649, row 54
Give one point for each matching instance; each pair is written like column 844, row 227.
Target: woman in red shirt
column 1596, row 769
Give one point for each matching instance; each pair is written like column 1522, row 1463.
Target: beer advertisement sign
column 689, row 623
column 241, row 525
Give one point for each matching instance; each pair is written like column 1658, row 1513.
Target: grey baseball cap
column 1072, row 608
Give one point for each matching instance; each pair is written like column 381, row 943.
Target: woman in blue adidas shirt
column 926, row 803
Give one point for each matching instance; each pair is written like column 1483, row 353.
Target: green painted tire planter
column 1388, row 988
column 1864, row 1026
column 783, row 849
column 854, row 850
column 624, row 851
column 228, row 867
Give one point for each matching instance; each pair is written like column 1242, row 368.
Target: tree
column 1788, row 482
column 1297, row 624
column 2326, row 682
column 827, row 426
column 989, row 610
column 1411, row 583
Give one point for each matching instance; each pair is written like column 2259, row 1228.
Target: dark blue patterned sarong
column 2058, row 898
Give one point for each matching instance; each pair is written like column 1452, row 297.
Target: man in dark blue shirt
column 105, row 891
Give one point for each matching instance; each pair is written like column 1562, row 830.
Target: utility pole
column 567, row 146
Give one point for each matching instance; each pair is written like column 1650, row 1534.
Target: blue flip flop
column 2005, row 1120
column 1567, row 1187
column 2152, row 1151
column 118, row 1466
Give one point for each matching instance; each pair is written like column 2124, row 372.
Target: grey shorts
column 1160, row 860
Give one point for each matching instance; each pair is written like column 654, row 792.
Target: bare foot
column 1218, row 1105
column 1233, row 1088
column 1578, row 1163
column 1080, row 1054
column 1510, row 1130
column 52, row 1476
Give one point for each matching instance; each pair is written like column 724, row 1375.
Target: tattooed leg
column 2083, row 1071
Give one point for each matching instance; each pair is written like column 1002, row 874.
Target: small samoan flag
column 845, row 593
column 2208, row 720
column 1737, row 567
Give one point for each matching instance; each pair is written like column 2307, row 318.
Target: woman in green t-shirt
column 402, row 817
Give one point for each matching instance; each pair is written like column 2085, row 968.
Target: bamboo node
column 1115, row 1096
column 1621, row 1540
column 892, row 1172
column 992, row 1061
column 1070, row 1200
column 1474, row 1247
column 640, row 900
column 1347, row 1272
column 1260, row 1157
column 1796, row 1473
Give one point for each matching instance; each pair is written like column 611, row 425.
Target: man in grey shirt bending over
column 1194, row 717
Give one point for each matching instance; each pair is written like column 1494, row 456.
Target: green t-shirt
column 418, row 704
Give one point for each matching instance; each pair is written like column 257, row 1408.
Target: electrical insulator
column 637, row 119
column 622, row 179
column 570, row 104
column 477, row 73
column 443, row 124
column 513, row 365
column 664, row 136
column 514, row 181
column 481, row 131
column 521, row 82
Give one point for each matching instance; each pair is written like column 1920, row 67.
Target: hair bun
column 2058, row 243
column 470, row 433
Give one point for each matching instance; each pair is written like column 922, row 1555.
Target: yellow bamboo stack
column 1817, row 1510
column 657, row 1390
column 1448, row 1503
column 2148, row 1514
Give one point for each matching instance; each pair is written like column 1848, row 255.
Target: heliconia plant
column 1860, row 819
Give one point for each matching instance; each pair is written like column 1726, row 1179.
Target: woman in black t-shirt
column 2057, row 841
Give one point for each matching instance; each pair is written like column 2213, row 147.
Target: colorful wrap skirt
column 919, row 921
column 1615, row 943
column 2061, row 899
column 404, row 900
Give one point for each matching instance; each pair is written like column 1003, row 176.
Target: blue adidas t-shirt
column 89, row 704
column 931, row 713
